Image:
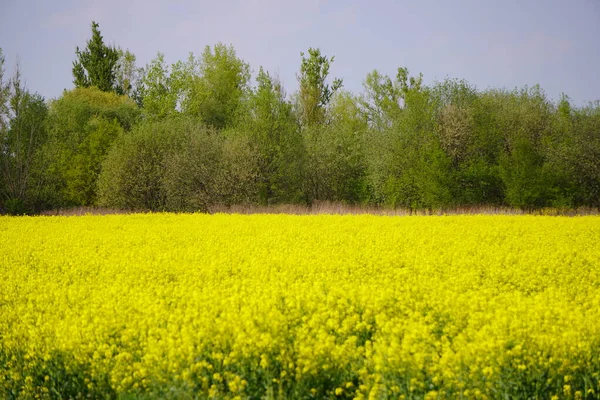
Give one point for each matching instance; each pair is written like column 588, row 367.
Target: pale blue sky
column 505, row 43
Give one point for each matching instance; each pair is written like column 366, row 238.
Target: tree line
column 203, row 132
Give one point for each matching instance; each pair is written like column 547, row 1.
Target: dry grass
column 86, row 211
column 343, row 209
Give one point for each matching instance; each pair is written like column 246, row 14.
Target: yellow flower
column 227, row 305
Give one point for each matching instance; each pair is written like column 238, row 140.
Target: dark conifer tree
column 96, row 64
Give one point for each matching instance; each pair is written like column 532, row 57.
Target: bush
column 178, row 165
column 15, row 207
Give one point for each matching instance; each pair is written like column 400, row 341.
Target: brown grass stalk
column 344, row 209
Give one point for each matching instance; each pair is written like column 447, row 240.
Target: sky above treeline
column 499, row 44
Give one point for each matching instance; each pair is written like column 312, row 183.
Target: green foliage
column 15, row 206
column 211, row 89
column 586, row 153
column 521, row 173
column 177, row 164
column 271, row 128
column 82, row 125
column 524, row 121
column 208, row 137
column 132, row 174
column 472, row 142
column 380, row 102
column 4, row 93
column 237, row 181
column 407, row 165
column 421, row 173
column 157, row 92
column 126, row 74
column 96, row 65
column 22, row 135
column 190, row 171
column 56, row 376
column 218, row 88
column 314, row 94
column 335, row 165
column 572, row 153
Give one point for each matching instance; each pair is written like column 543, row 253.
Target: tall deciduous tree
column 158, row 93
column 586, row 133
column 4, row 90
column 380, row 102
column 96, row 65
column 22, row 135
column 272, row 128
column 315, row 93
column 219, row 82
column 126, row 74
column 335, row 165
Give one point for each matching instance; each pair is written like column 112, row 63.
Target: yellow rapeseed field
column 273, row 306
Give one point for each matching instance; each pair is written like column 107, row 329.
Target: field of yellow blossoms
column 187, row 306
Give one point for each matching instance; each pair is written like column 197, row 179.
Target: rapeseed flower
column 274, row 306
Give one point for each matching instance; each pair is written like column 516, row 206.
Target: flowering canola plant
column 276, row 306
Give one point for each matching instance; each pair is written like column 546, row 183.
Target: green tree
column 315, row 93
column 83, row 124
column 420, row 168
column 214, row 87
column 523, row 121
column 270, row 124
column 380, row 102
column 192, row 169
column 133, row 173
column 583, row 153
column 406, row 166
column 126, row 74
column 335, row 162
column 470, row 140
column 4, row 94
column 96, row 65
column 21, row 138
column 158, row 94
column 211, row 89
